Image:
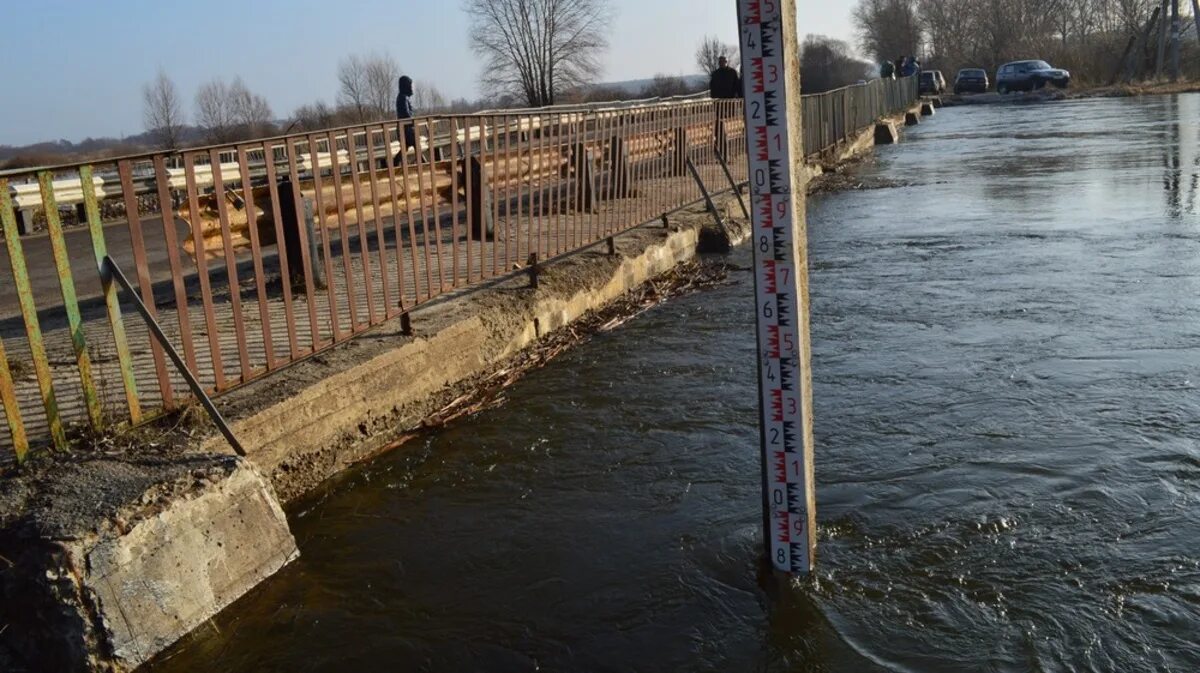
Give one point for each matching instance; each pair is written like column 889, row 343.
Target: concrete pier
column 128, row 557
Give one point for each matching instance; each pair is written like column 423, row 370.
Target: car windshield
column 927, row 76
column 1039, row 65
column 974, row 72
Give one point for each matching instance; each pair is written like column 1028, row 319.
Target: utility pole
column 1162, row 40
column 771, row 81
column 1175, row 28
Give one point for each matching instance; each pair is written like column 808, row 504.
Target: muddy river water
column 1007, row 360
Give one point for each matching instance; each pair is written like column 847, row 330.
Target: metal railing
column 242, row 282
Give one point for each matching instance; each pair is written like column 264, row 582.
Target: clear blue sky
column 75, row 69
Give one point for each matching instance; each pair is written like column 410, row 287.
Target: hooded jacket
column 404, row 107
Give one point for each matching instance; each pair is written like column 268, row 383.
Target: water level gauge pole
column 771, row 86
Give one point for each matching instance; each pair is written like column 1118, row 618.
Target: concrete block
column 107, row 590
column 912, row 118
column 927, row 109
column 886, row 133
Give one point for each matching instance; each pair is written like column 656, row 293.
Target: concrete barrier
column 886, row 133
column 129, row 557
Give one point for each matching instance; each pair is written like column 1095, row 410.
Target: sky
column 75, row 69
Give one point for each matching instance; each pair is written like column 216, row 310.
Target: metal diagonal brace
column 708, row 202
column 110, row 267
column 737, row 189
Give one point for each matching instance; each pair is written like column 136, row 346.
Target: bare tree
column 162, row 111
column 826, row 63
column 710, row 51
column 367, row 85
column 214, row 111
column 313, row 117
column 888, row 28
column 427, row 98
column 537, row 49
column 251, row 112
column 230, row 112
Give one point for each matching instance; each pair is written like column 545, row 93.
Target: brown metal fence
column 255, row 255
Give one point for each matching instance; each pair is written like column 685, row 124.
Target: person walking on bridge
column 725, row 81
column 404, row 110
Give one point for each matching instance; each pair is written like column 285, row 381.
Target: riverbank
column 1050, row 94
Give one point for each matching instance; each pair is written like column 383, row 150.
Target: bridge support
column 886, row 133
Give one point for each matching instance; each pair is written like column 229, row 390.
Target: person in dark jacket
column 725, row 81
column 887, row 70
column 404, row 110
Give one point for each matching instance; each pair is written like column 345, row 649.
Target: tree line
column 1087, row 37
column 533, row 53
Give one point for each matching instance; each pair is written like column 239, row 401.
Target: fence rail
column 257, row 254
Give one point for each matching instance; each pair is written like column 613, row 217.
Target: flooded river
column 1006, row 355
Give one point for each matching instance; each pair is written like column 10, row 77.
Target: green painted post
column 62, row 264
column 12, row 412
column 37, row 348
column 100, row 249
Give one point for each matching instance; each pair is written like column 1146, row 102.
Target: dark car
column 971, row 80
column 931, row 83
column 1030, row 75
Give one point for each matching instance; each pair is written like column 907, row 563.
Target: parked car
column 971, row 80
column 931, row 83
column 1030, row 75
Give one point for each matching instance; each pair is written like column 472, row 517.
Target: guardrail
column 266, row 252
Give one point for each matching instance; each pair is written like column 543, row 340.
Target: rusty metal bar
column 289, row 315
column 142, row 266
column 210, row 317
column 424, row 219
column 437, row 215
column 364, row 243
column 100, row 250
column 12, row 412
column 391, row 175
column 319, row 225
column 495, row 154
column 310, row 287
column 231, row 274
column 336, row 177
column 260, row 286
column 380, row 241
column 412, row 227
column 171, row 238
column 156, row 330
column 737, row 189
column 468, row 171
column 454, row 185
column 33, row 330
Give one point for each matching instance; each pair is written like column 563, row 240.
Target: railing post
column 618, row 167
column 480, row 200
column 680, row 145
column 585, row 178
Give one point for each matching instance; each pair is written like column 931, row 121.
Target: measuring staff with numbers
column 770, row 76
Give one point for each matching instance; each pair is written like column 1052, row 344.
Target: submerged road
column 1007, row 353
